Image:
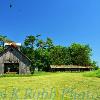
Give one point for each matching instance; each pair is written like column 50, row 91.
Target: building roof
column 69, row 66
column 17, row 44
column 14, row 49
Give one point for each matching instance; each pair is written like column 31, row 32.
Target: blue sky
column 65, row 21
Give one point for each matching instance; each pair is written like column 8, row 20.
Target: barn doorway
column 11, row 67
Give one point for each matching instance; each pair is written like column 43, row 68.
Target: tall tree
column 49, row 43
column 80, row 54
column 29, row 41
column 42, row 54
column 28, row 49
column 56, row 55
column 41, row 44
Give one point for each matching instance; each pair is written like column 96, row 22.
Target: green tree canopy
column 44, row 53
column 80, row 54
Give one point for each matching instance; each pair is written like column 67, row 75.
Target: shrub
column 95, row 73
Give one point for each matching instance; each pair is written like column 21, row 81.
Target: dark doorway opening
column 11, row 67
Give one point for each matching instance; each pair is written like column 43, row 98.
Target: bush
column 98, row 73
column 95, row 73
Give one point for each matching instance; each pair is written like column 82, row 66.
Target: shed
column 70, row 68
column 13, row 60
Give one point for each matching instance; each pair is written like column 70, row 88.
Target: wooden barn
column 12, row 60
column 70, row 68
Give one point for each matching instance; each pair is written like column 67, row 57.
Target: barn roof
column 69, row 66
column 14, row 49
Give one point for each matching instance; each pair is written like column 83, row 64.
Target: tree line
column 45, row 53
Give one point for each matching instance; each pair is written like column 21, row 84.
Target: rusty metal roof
column 69, row 66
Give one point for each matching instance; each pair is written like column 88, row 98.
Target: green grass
column 55, row 86
column 95, row 73
column 26, row 75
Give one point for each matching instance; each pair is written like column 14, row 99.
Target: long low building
column 70, row 68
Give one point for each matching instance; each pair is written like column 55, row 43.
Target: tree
column 1, row 49
column 56, row 55
column 45, row 53
column 42, row 54
column 4, row 39
column 94, row 65
column 80, row 54
column 41, row 44
column 49, row 43
column 29, row 41
column 28, row 49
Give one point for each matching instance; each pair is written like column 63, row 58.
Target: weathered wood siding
column 69, row 68
column 13, row 56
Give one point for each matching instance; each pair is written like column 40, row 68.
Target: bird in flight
column 10, row 5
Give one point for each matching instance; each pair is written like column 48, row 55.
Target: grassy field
column 50, row 86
